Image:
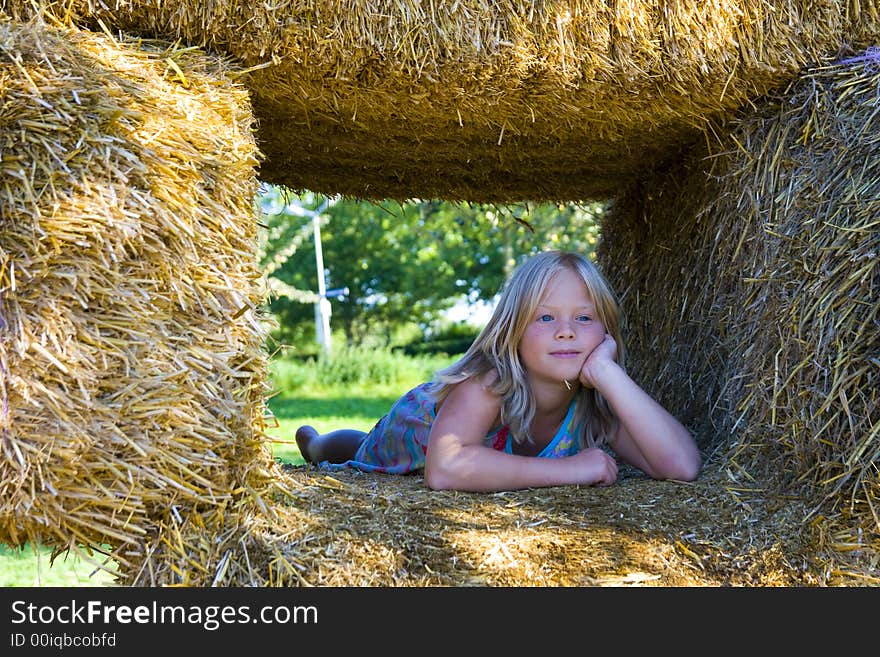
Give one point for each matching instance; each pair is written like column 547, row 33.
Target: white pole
column 322, row 307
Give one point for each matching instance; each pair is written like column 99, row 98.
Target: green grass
column 371, row 382
column 26, row 566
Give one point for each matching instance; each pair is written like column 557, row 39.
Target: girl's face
column 562, row 332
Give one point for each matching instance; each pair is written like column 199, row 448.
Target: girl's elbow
column 437, row 478
column 690, row 472
column 687, row 469
column 679, row 468
column 434, row 480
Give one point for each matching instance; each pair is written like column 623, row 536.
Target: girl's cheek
column 597, row 333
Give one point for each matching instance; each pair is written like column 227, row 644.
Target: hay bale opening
column 133, row 383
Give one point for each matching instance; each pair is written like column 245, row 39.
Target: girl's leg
column 336, row 446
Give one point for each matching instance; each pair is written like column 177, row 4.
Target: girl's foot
column 336, row 446
column 304, row 437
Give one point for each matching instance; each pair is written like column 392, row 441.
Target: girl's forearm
column 476, row 468
column 664, row 443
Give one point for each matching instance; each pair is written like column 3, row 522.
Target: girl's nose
column 564, row 330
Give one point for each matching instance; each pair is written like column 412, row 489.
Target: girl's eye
column 545, row 318
column 584, row 318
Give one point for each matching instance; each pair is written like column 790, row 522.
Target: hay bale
column 486, row 101
column 132, row 364
column 751, row 277
column 359, row 529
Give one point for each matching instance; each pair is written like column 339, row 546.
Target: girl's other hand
column 603, row 355
column 596, row 467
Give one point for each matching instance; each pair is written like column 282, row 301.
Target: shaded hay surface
column 365, row 529
column 481, row 100
column 358, row 529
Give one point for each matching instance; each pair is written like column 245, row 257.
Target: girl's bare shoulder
column 477, row 388
column 474, row 402
column 486, row 380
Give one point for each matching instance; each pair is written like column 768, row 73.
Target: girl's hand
column 595, row 467
column 604, row 354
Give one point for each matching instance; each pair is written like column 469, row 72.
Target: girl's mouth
column 565, row 354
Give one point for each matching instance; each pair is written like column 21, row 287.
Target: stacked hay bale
column 481, row 100
column 751, row 275
column 131, row 362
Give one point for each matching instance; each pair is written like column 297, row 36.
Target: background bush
column 450, row 339
column 354, row 366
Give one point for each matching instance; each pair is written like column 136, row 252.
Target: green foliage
column 289, row 374
column 353, row 366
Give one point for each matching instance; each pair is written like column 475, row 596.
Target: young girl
column 531, row 403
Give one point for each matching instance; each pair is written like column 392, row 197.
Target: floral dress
column 397, row 444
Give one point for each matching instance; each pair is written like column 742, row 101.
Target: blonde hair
column 497, row 346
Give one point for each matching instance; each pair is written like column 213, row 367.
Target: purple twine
column 871, row 60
